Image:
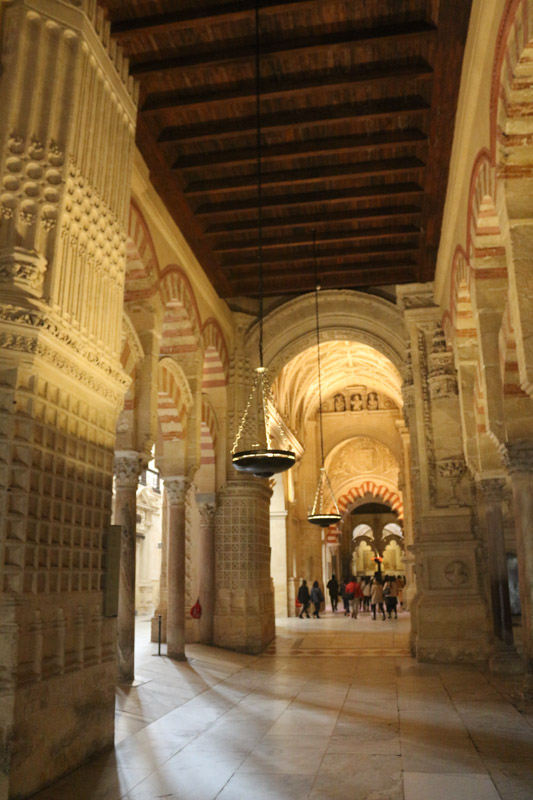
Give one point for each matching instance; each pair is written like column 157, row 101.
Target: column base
column 244, row 619
column 506, row 661
column 451, row 634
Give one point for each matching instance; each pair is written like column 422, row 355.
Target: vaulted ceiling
column 358, row 103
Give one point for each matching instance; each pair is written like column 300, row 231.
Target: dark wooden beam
column 353, row 113
column 304, row 176
column 323, row 198
column 392, row 232
column 238, row 52
column 312, row 220
column 190, row 18
column 337, row 145
column 367, row 74
column 249, row 262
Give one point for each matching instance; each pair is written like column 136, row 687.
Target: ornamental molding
column 20, row 315
column 127, row 467
column 31, row 345
column 130, row 334
column 345, row 315
column 169, row 364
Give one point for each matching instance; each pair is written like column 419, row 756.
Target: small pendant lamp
column 318, row 515
column 261, row 461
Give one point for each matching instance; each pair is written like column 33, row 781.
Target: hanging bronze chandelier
column 261, row 459
column 318, row 515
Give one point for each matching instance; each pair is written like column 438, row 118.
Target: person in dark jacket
column 303, row 599
column 333, row 589
column 316, row 598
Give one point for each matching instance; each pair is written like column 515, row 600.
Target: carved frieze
column 22, row 269
column 358, row 398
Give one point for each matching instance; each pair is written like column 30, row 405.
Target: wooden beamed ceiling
column 358, row 105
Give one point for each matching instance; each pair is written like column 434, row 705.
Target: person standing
column 390, row 591
column 333, row 589
column 345, row 598
column 367, row 591
column 303, row 599
column 354, row 593
column 376, row 598
column 316, row 598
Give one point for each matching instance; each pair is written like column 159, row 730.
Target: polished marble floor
column 334, row 710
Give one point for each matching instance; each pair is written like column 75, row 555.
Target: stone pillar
column 518, row 459
column 128, row 467
column 291, row 596
column 244, row 613
column 67, row 124
column 162, row 605
column 206, row 507
column 449, row 613
column 408, row 531
column 176, row 491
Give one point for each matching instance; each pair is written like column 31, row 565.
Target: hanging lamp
column 318, row 516
column 260, row 460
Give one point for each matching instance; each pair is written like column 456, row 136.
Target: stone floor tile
column 422, row 785
column 266, row 786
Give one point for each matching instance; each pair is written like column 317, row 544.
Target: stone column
column 244, row 613
column 291, row 596
column 449, row 614
column 128, row 466
column 206, row 507
column 408, row 532
column 518, row 459
column 176, row 489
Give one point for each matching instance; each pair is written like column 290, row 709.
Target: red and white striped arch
column 173, row 402
column 142, row 267
column 216, row 358
column 208, row 439
column 372, row 491
column 181, row 320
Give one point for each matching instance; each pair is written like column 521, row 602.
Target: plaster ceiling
column 358, row 104
column 343, row 364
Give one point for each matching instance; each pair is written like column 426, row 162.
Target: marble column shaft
column 207, row 575
column 128, row 467
column 518, row 458
column 176, row 490
column 492, row 490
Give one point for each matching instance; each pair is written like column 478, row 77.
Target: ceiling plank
column 235, row 52
column 339, row 236
column 328, row 114
column 304, row 176
column 191, row 18
column 367, row 74
column 337, row 145
column 322, row 198
column 249, row 262
column 304, row 220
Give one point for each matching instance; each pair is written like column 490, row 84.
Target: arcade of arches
column 120, row 361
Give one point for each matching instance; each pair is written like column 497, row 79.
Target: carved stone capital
column 176, row 489
column 22, row 269
column 517, row 456
column 128, row 466
column 207, row 514
column 492, row 489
